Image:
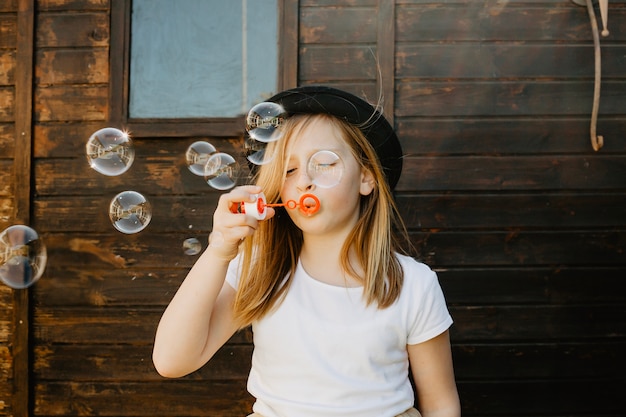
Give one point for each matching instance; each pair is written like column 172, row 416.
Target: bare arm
column 199, row 319
column 433, row 373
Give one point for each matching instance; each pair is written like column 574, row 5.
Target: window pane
column 201, row 58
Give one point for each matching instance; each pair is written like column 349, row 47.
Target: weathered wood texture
column 501, row 190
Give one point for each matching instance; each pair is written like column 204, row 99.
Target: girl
column 339, row 314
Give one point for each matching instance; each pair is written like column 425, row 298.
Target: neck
column 321, row 259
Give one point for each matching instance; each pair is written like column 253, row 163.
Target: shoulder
column 415, row 271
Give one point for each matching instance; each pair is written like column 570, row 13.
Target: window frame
column 119, row 88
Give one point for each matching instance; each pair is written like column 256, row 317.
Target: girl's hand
column 231, row 228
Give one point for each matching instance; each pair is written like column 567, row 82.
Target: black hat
column 346, row 106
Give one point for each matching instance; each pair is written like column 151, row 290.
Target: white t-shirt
column 323, row 352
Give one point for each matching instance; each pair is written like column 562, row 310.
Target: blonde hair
column 271, row 255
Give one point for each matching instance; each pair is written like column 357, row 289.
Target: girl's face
column 339, row 204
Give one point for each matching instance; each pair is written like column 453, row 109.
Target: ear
column 367, row 182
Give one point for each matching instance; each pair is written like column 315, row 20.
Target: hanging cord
column 596, row 141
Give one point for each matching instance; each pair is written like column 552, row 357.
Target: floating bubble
column 221, row 171
column 192, row 246
column 130, row 212
column 110, row 151
column 264, row 120
column 257, row 152
column 325, row 168
column 197, row 156
column 23, row 256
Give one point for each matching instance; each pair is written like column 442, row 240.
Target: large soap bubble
column 23, row 256
column 221, row 171
column 110, row 151
column 130, row 212
column 264, row 120
column 197, row 156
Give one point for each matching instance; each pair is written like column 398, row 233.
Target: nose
column 304, row 183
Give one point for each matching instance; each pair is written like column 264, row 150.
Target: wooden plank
column 510, row 60
column 478, row 21
column 288, row 41
column 511, row 173
column 164, row 398
column 6, row 212
column 545, row 361
column 79, row 5
column 555, row 285
column 320, row 64
column 192, row 214
column 114, row 363
column 8, row 29
column 7, row 141
column 6, row 178
column 505, row 98
column 338, row 25
column 510, row 135
column 578, row 397
column 521, row 248
column 71, row 103
column 22, row 183
column 510, row 211
column 7, row 104
column 7, row 67
column 72, row 66
column 88, row 29
column 186, row 215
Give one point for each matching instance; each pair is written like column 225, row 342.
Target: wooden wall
column 503, row 195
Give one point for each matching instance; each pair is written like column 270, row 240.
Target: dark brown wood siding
column 501, row 190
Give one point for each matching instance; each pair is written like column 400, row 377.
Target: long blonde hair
column 270, row 256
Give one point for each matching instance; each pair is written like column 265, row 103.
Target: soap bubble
column 325, row 168
column 192, row 246
column 197, row 156
column 23, row 256
column 257, row 152
column 130, row 212
column 221, row 171
column 110, row 151
column 263, row 121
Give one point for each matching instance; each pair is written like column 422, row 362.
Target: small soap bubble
column 110, row 151
column 264, row 120
column 23, row 256
column 130, row 212
column 192, row 246
column 197, row 156
column 325, row 168
column 221, row 171
column 257, row 152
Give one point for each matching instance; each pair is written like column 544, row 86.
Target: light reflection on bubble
column 263, row 121
column 130, row 212
column 197, row 156
column 23, row 256
column 192, row 246
column 110, row 151
column 221, row 171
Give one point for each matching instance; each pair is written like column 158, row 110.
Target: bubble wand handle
column 308, row 205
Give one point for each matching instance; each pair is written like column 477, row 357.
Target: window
column 201, row 58
column 190, row 67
